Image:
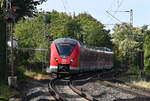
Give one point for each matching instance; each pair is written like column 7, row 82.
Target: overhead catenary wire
column 111, row 5
column 68, row 7
column 113, row 15
column 119, row 5
column 64, row 5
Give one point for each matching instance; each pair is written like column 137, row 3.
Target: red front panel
column 54, row 55
column 75, row 56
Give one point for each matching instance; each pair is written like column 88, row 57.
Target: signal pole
column 12, row 80
column 131, row 17
column 43, row 31
column 131, row 28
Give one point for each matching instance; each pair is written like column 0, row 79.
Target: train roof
column 98, row 49
column 66, row 40
column 73, row 41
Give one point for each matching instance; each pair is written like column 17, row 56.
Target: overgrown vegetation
column 147, row 51
column 4, row 93
column 27, row 8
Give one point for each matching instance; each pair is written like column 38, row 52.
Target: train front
column 64, row 56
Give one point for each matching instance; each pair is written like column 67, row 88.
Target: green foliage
column 31, row 36
column 134, row 70
column 128, row 42
column 147, row 51
column 29, row 31
column 26, row 7
column 93, row 32
column 4, row 92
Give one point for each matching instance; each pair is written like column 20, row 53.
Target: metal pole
column 44, row 28
column 11, row 38
column 12, row 52
column 131, row 28
column 131, row 17
column 12, row 79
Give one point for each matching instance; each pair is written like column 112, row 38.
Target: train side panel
column 92, row 60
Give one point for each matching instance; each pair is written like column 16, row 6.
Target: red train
column 67, row 55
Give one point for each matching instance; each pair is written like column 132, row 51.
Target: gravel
column 104, row 93
column 37, row 91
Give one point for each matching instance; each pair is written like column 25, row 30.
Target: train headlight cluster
column 71, row 60
column 56, row 60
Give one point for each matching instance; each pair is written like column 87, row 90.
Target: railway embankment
column 36, row 89
column 105, row 91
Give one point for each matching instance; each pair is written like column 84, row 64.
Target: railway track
column 53, row 91
column 127, row 87
column 65, row 91
column 108, row 92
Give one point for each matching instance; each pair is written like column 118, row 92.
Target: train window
column 65, row 49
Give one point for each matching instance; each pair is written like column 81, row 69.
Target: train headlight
column 56, row 60
column 71, row 60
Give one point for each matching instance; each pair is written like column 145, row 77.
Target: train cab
column 64, row 56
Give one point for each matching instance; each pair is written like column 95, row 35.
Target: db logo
column 64, row 61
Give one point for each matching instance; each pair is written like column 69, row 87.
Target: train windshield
column 65, row 49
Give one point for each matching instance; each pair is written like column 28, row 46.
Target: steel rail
column 53, row 91
column 134, row 92
column 86, row 96
column 133, row 86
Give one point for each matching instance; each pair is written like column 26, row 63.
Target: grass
column 4, row 92
column 34, row 75
column 137, row 78
column 23, row 76
column 142, row 83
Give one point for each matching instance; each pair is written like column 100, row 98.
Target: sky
column 98, row 8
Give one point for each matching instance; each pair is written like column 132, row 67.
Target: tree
column 72, row 28
column 93, row 32
column 59, row 23
column 128, row 42
column 146, row 51
column 31, row 36
column 26, row 7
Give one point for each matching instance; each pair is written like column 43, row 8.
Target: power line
column 111, row 5
column 119, row 3
column 109, row 24
column 114, row 17
column 63, row 5
column 67, row 5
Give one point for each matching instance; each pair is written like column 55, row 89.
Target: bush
column 134, row 70
column 4, row 92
